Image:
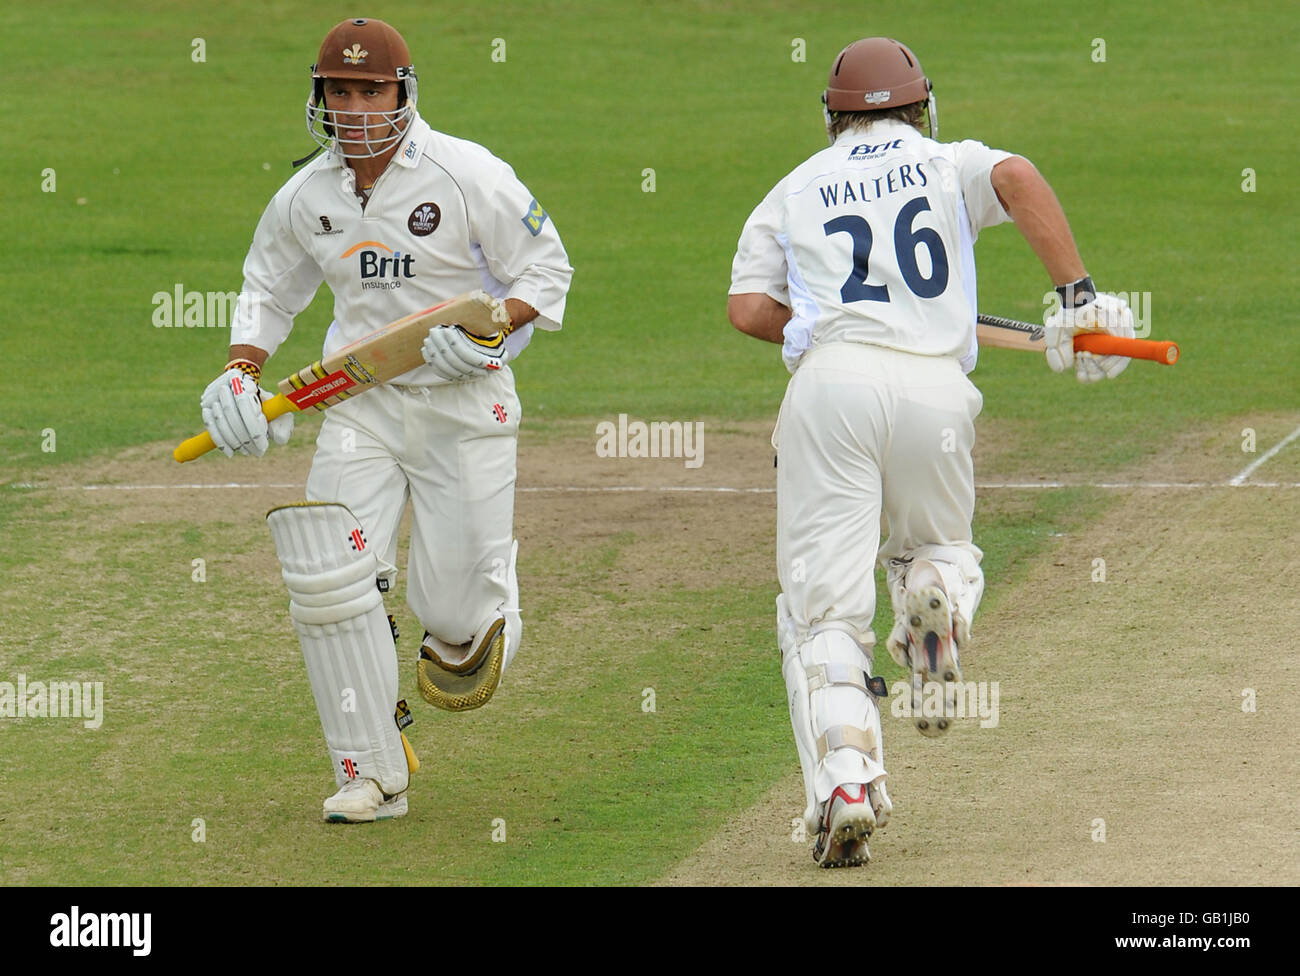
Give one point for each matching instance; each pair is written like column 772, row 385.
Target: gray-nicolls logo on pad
column 77, row 930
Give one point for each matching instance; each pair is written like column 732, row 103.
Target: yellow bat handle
column 200, row 444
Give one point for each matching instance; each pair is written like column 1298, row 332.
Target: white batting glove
column 232, row 413
column 281, row 428
column 1104, row 313
column 457, row 355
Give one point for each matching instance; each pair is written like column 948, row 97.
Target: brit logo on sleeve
column 535, row 217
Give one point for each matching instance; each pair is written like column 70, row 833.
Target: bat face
column 387, row 353
column 306, row 388
column 377, row 358
column 992, row 330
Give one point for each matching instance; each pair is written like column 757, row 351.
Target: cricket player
column 861, row 263
column 395, row 217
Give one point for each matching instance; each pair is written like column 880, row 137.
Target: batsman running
column 861, row 263
column 396, row 217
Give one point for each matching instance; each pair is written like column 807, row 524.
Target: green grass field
column 161, row 166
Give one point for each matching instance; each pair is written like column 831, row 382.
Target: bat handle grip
column 200, row 444
column 1109, row 345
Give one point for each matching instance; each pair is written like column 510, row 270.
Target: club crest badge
column 424, row 219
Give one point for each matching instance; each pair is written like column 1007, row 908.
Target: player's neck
column 367, row 171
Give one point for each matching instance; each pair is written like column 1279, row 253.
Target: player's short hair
column 912, row 114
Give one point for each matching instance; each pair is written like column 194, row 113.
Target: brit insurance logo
column 424, row 219
column 379, row 265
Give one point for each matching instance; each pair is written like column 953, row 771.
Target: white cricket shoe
column 848, row 819
column 362, row 801
column 934, row 634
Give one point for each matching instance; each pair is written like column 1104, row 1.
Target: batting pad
column 796, row 693
column 347, row 643
column 844, row 717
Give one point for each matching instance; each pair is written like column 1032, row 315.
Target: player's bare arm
column 1026, row 196
column 520, row 312
column 249, row 354
column 758, row 315
column 1032, row 204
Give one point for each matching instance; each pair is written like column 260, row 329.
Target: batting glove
column 457, row 355
column 1096, row 313
column 232, row 413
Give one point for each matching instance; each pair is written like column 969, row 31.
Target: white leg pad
column 347, row 643
column 845, row 718
column 511, row 612
column 796, row 693
column 963, row 580
column 835, row 719
column 961, row 577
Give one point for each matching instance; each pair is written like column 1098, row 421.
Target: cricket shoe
column 934, row 634
column 362, row 801
column 848, row 819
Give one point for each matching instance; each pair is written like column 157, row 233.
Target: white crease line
column 651, row 488
column 231, row 484
column 709, row 489
column 1128, row 485
column 1245, row 472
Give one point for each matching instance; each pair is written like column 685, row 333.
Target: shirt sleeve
column 280, row 280
column 760, row 264
column 520, row 244
column 975, row 162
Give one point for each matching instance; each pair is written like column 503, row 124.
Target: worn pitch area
column 645, row 718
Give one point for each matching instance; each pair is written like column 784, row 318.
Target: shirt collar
column 880, row 131
column 412, row 145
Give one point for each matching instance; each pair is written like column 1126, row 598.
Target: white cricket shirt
column 872, row 240
column 445, row 217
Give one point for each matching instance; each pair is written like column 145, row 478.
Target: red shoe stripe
column 839, row 791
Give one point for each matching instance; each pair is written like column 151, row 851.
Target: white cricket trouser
column 866, row 431
column 451, row 450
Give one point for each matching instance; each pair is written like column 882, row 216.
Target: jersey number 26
column 906, row 240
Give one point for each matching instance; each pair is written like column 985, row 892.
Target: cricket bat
column 992, row 330
column 377, row 358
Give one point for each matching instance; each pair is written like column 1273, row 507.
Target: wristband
column 1077, row 293
column 247, row 367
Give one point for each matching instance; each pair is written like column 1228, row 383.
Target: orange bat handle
column 200, row 444
column 1109, row 345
